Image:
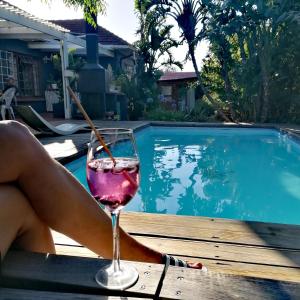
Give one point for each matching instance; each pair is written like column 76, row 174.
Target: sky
column 119, row 19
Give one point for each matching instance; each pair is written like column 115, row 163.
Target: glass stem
column 116, row 243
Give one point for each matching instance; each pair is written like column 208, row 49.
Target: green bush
column 294, row 111
column 142, row 94
column 202, row 112
column 160, row 114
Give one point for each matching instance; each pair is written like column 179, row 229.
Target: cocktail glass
column 113, row 177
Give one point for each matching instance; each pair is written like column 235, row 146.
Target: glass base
column 125, row 278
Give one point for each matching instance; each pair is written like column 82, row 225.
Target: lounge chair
column 38, row 123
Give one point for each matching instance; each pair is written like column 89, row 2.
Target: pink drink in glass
column 113, row 185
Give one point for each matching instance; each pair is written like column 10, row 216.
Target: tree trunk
column 203, row 88
column 242, row 49
column 263, row 57
column 265, row 93
column 227, row 86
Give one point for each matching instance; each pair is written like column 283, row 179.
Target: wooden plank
column 225, row 252
column 21, row 294
column 70, row 274
column 214, row 230
column 61, row 239
column 182, row 283
column 75, row 251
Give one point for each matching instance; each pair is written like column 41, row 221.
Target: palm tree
column 189, row 14
column 155, row 42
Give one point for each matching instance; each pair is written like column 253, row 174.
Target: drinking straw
column 90, row 122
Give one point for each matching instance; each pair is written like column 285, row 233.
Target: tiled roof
column 178, row 76
column 105, row 37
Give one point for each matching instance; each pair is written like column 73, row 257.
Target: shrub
column 160, row 114
column 202, row 112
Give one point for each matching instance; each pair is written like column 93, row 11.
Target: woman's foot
column 169, row 260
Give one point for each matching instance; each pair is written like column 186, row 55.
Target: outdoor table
column 26, row 275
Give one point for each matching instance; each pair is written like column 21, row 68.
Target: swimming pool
column 241, row 173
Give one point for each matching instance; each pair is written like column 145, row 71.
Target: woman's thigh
column 19, row 225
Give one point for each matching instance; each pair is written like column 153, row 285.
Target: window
column 6, row 67
column 166, row 90
column 25, row 70
column 28, row 70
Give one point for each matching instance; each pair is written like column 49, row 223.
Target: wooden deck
column 260, row 250
column 227, row 247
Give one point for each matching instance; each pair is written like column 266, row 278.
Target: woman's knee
column 13, row 131
column 19, row 148
column 16, row 150
column 11, row 127
column 15, row 138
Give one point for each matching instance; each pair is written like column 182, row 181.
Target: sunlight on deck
column 65, row 147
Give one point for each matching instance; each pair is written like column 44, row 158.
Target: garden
column 251, row 72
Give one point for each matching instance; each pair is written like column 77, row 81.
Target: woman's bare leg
column 19, row 224
column 57, row 197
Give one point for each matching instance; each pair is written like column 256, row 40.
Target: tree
column 90, row 8
column 258, row 38
column 155, row 43
column 219, row 30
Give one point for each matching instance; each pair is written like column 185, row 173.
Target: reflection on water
column 233, row 173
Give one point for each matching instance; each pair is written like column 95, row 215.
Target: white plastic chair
column 8, row 96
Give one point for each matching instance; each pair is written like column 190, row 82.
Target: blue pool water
column 246, row 174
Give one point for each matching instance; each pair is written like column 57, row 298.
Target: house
column 123, row 58
column 27, row 45
column 177, row 92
